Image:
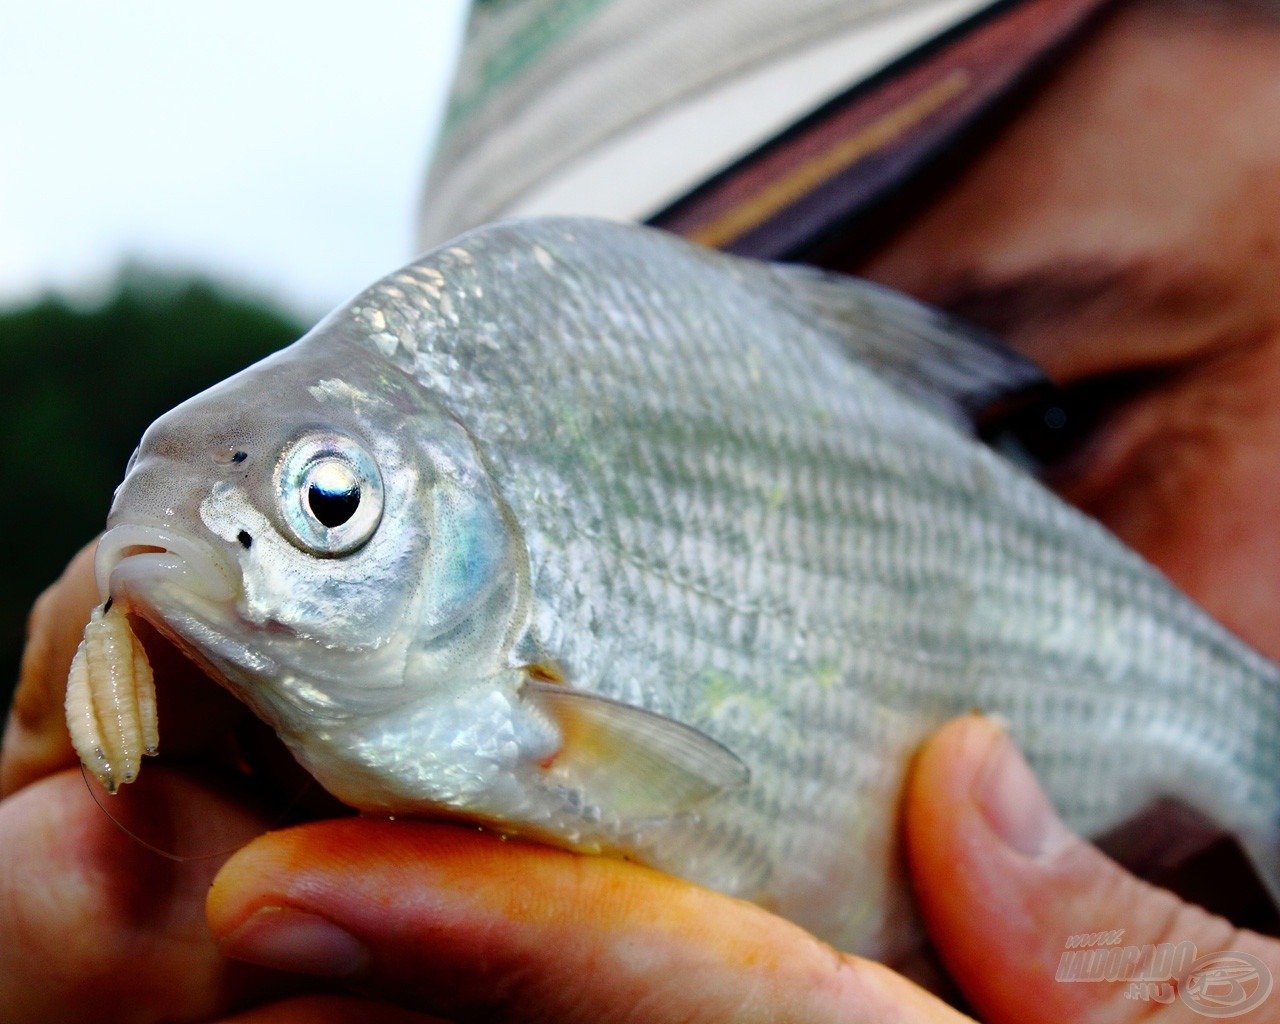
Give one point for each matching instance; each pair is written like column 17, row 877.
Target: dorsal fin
column 952, row 366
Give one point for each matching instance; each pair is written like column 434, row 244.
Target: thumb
column 453, row 921
column 36, row 742
column 1032, row 921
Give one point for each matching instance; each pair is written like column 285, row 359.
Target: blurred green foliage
column 80, row 386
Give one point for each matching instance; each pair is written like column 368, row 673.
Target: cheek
column 1189, row 475
column 353, row 600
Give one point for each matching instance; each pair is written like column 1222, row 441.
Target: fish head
column 320, row 535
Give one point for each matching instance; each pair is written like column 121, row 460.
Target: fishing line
column 183, row 858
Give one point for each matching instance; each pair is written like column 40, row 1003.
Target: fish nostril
column 229, row 456
column 245, row 540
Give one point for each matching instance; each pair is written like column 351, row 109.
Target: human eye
column 1050, row 430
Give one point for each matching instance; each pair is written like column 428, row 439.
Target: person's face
column 1129, row 220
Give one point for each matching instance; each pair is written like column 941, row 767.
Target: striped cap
column 762, row 128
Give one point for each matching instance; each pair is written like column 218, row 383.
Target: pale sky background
column 278, row 146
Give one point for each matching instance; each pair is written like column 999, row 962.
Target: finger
column 35, row 738
column 329, row 1010
column 1006, row 891
column 96, row 927
column 457, row 922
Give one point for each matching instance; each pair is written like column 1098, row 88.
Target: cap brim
column 840, row 178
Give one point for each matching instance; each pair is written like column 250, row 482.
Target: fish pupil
column 333, row 508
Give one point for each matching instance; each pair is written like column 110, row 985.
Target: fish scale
column 888, row 488
column 738, row 510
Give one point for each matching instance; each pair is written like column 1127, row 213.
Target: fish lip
column 187, row 590
column 138, row 555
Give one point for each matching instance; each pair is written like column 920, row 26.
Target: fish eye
column 330, row 493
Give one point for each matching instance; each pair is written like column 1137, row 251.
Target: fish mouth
column 187, row 589
column 135, row 558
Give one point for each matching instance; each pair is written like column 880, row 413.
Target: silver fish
column 589, row 534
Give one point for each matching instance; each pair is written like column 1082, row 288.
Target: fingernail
column 293, row 940
column 1015, row 806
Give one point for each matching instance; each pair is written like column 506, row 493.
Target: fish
column 584, row 533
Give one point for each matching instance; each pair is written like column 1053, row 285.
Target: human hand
column 1002, row 885
column 511, row 931
column 450, row 920
column 94, row 926
column 92, row 919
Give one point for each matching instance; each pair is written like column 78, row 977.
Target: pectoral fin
column 632, row 762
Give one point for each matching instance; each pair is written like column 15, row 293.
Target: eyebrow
column 1054, row 291
column 1101, row 295
column 1148, row 286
